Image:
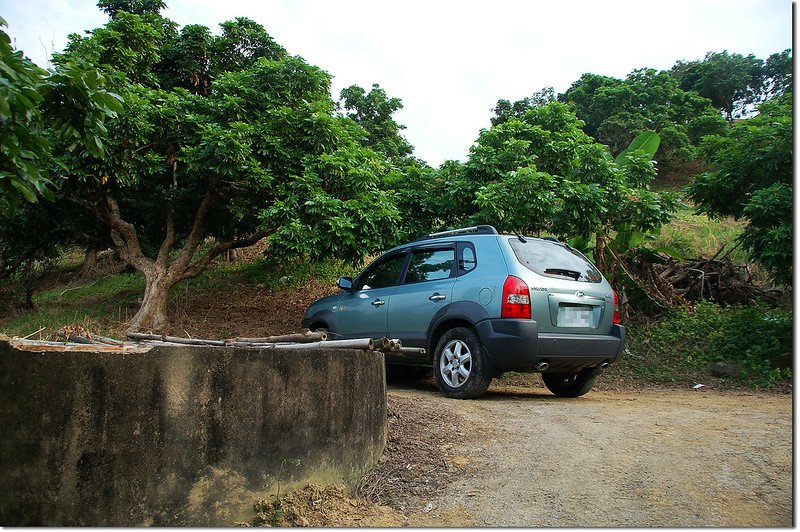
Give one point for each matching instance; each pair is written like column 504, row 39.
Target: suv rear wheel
column 571, row 384
column 458, row 365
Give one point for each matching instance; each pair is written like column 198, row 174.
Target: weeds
column 697, row 235
column 685, row 345
column 270, row 511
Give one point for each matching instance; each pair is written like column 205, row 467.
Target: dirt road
column 666, row 458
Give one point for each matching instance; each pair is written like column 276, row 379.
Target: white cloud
column 450, row 61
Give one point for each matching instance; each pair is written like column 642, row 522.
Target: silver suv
column 481, row 304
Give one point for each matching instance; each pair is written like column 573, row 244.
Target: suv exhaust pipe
column 604, row 366
column 543, row 365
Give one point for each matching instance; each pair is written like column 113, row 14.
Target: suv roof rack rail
column 477, row 229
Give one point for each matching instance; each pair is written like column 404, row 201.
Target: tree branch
column 196, row 268
column 169, row 240
column 193, row 240
column 124, row 234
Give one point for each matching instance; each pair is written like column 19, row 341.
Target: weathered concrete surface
column 179, row 436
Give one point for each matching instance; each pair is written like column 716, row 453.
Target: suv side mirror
column 345, row 283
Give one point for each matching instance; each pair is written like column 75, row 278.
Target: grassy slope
column 697, row 235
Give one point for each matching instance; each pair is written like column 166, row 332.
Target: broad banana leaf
column 647, row 141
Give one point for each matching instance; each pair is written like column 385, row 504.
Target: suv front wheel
column 458, row 365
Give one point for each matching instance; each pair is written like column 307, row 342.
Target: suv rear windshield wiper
column 564, row 273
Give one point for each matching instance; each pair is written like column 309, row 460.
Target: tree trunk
column 600, row 253
column 89, row 262
column 152, row 316
column 163, row 272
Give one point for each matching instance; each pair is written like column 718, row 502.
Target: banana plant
column 613, row 254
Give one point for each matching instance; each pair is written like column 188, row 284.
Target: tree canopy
column 540, row 173
column 225, row 137
column 752, row 177
column 615, row 111
column 374, row 112
column 734, row 82
column 37, row 107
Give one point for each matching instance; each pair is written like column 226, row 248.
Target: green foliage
column 139, row 7
column 615, row 111
column 540, row 173
column 684, row 346
column 768, row 235
column 505, row 110
column 779, row 73
column 752, row 177
column 243, row 42
column 373, row 111
column 23, row 143
column 129, row 43
column 68, row 104
column 730, row 81
column 647, row 142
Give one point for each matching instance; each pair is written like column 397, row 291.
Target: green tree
column 138, row 7
column 751, row 177
column 730, row 81
column 195, row 170
column 69, row 102
column 129, row 43
column 505, row 110
column 411, row 181
column 374, row 112
column 540, row 173
column 615, row 111
column 779, row 73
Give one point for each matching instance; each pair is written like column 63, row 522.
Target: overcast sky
column 450, row 61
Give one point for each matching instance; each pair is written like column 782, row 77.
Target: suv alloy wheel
column 459, row 366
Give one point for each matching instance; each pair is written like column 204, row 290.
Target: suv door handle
column 437, row 297
column 378, row 303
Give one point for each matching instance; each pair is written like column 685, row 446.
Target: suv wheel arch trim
column 323, row 316
column 469, row 312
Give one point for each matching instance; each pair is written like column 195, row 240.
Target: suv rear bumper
column 517, row 345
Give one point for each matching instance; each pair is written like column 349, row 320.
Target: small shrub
column 685, row 345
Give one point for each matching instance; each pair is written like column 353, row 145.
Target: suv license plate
column 575, row 316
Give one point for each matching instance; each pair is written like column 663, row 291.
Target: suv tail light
column 616, row 309
column 516, row 299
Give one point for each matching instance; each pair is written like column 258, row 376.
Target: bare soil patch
column 419, row 461
column 240, row 309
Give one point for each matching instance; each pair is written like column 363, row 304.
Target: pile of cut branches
column 670, row 282
column 718, row 280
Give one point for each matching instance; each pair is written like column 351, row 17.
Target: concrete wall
column 180, row 436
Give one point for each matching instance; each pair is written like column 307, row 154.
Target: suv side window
column 466, row 258
column 430, row 265
column 383, row 274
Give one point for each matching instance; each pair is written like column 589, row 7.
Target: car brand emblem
column 579, row 294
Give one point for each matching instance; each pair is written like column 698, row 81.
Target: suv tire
column 458, row 364
column 571, row 384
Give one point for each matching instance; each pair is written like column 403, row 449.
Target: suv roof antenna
column 521, row 238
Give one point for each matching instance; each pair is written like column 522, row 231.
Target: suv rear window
column 554, row 259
